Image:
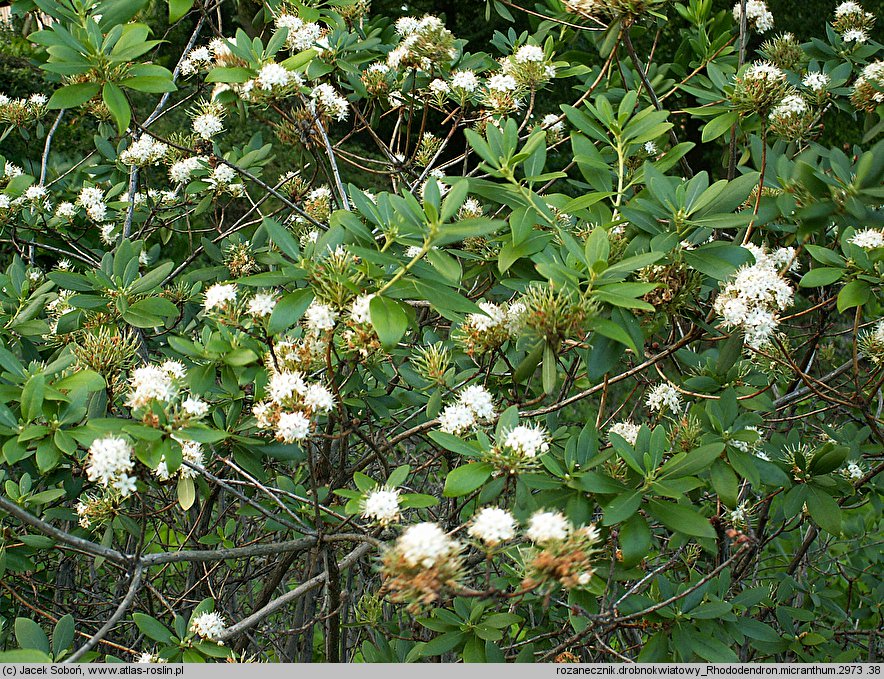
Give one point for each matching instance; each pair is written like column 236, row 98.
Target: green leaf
column 442, row 644
column 622, row 507
column 29, row 634
column 855, row 293
column 178, row 8
column 289, row 310
column 152, row 628
column 821, row 276
column 466, row 478
column 824, row 510
column 186, row 493
column 719, row 125
column 63, row 634
column 71, row 96
column 234, row 74
column 118, row 105
column 635, row 540
column 282, row 237
column 725, row 483
column 32, row 397
column 388, row 319
column 24, row 655
column 681, row 519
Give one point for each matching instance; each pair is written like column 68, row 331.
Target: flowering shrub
column 571, row 350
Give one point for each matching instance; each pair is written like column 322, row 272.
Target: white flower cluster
column 474, row 405
column 868, row 239
column 852, row 471
column 273, row 76
column 326, row 100
column 853, row 22
column 109, row 463
column 208, row 626
column 527, row 441
column 301, row 35
column 161, row 384
column 754, row 295
column 197, row 59
column 151, row 383
column 261, row 305
column 529, row 53
column 426, row 545
column 21, row 111
column 207, row 125
column 223, row 178
column 220, row 296
column 509, row 318
column 144, row 151
column 181, row 171
column 382, row 506
column 92, row 199
column 553, row 123
column 791, row 105
column 627, row 430
column 191, row 451
column 757, row 15
column 763, row 71
column 868, row 90
column 546, row 527
column 816, row 81
column 424, row 43
column 292, row 403
column 465, row 82
column 360, row 309
column 492, row 526
column 664, row 396
column 320, row 318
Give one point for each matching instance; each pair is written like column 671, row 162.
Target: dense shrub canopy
column 328, row 334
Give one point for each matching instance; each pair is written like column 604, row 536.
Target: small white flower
column 318, row 398
column 425, row 545
column 816, row 81
column 150, row 383
column 528, row 53
column 320, row 317
column 627, row 430
column 208, row 626
column 457, row 419
column 285, row 385
column 219, row 296
column 261, row 305
column 195, row 407
column 479, row 400
column 207, row 125
column 868, row 239
column 492, row 526
column 292, row 427
column 273, row 75
column 501, row 83
column 527, row 441
column 853, row 471
column 552, row 122
column 855, row 35
column 182, row 170
column 545, row 527
column 664, row 396
column 109, row 461
column 382, row 506
column 465, row 81
column 359, row 310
